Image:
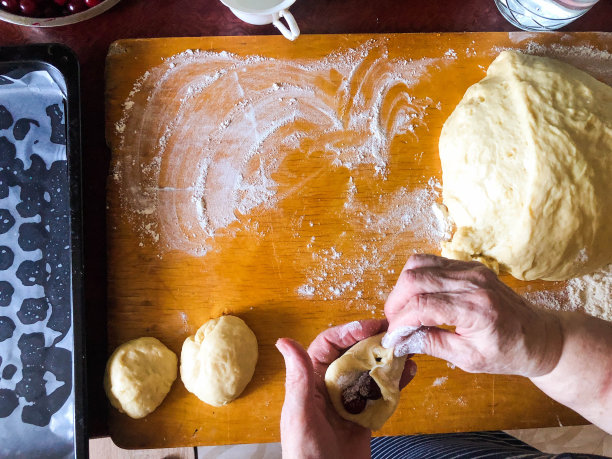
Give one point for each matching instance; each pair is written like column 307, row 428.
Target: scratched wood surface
column 256, row 274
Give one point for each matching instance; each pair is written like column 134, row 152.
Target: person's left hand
column 310, row 426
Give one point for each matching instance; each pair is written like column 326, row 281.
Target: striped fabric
column 472, row 445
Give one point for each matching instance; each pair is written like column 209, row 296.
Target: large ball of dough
column 138, row 376
column 349, row 380
column 527, row 169
column 218, row 362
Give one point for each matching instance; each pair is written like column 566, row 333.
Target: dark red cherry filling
column 356, row 394
column 47, row 8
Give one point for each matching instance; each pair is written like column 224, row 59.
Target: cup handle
column 290, row 33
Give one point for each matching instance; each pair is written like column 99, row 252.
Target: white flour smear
column 440, row 381
column 212, row 159
column 594, row 61
column 397, row 217
column 591, row 293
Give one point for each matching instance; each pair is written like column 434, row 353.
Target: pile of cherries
column 47, row 8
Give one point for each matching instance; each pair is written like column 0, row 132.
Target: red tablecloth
column 159, row 18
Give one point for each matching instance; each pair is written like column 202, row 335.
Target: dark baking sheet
column 42, row 366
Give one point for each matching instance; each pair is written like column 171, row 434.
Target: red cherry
column 28, row 7
column 60, row 2
column 12, row 6
column 76, row 6
column 92, row 3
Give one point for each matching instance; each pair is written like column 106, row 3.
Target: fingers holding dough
column 363, row 384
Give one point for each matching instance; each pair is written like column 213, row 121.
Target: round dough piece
column 527, row 170
column 366, row 356
column 218, row 362
column 138, row 376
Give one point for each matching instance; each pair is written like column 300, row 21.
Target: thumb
column 299, row 377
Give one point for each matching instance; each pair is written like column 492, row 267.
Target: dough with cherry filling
column 363, row 384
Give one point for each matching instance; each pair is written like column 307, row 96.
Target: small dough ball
column 218, row 362
column 527, row 170
column 139, row 375
column 363, row 384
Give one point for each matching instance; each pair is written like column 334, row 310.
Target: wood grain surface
column 168, row 294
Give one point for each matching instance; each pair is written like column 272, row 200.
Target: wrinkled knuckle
column 479, row 275
column 433, row 342
column 409, row 277
column 417, row 257
column 417, row 260
column 491, row 303
column 482, row 298
column 492, row 315
column 485, row 307
column 421, row 302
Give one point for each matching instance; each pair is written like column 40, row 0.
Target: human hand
column 310, row 426
column 496, row 331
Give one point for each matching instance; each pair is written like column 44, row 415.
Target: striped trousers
column 471, row 445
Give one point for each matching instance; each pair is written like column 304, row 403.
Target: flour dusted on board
column 440, row 381
column 395, row 217
column 210, row 164
column 591, row 293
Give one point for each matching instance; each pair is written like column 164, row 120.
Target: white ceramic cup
column 260, row 12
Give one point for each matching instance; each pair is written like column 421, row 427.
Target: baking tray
column 42, row 339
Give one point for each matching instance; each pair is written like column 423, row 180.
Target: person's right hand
column 496, row 331
column 310, row 426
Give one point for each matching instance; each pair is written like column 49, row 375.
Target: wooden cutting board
column 289, row 189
